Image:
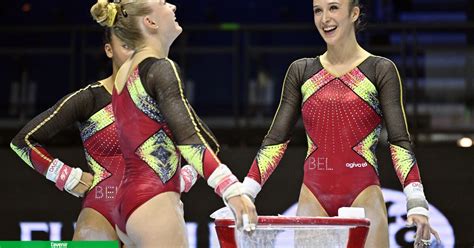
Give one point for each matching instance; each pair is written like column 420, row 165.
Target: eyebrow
column 330, row 3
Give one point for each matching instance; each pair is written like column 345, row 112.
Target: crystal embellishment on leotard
column 315, row 83
column 100, row 173
column 362, row 86
column 142, row 100
column 366, row 148
column 268, row 158
column 403, row 160
column 160, row 154
column 194, row 155
column 97, row 122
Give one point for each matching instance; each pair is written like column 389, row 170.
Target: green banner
column 59, row 244
column 229, row 26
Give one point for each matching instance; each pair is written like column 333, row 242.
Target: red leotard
column 91, row 108
column 342, row 117
column 157, row 126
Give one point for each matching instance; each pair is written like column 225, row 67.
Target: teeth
column 329, row 29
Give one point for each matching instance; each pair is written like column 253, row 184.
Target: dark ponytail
column 359, row 24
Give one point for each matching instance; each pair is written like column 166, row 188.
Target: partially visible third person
column 91, row 109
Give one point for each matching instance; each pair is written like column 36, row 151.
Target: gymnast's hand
column 423, row 230
column 84, row 185
column 244, row 212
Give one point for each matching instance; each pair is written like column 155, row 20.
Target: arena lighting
column 465, row 142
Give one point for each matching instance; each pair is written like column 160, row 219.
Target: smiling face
column 335, row 19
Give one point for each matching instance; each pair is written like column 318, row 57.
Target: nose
column 325, row 16
column 173, row 7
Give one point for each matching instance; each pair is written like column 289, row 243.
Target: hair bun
column 105, row 13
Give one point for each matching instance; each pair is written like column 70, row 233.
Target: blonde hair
column 123, row 18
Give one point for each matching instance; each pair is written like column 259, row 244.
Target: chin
column 176, row 33
column 326, row 38
column 330, row 40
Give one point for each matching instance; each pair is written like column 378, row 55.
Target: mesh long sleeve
column 163, row 81
column 393, row 108
column 28, row 143
column 275, row 142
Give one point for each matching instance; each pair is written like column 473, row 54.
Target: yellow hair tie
column 123, row 2
column 112, row 10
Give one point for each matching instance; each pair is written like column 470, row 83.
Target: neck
column 343, row 51
column 115, row 69
column 154, row 47
column 108, row 83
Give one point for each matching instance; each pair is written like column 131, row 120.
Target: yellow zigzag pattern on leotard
column 97, row 122
column 23, row 153
column 364, row 88
column 366, row 148
column 142, row 100
column 100, row 173
column 160, row 154
column 403, row 160
column 314, row 84
column 311, row 146
column 194, row 155
column 268, row 158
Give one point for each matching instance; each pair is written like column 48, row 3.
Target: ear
column 108, row 50
column 150, row 23
column 355, row 13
